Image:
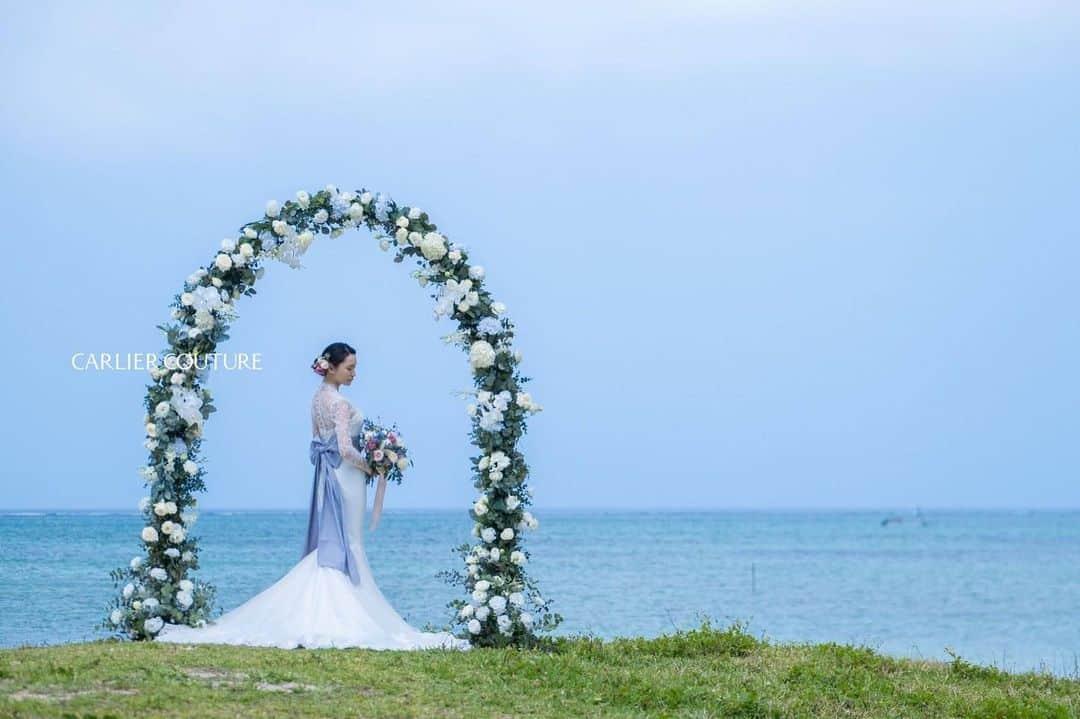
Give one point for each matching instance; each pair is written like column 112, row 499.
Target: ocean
column 998, row 588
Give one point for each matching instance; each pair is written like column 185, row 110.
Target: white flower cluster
column 456, row 294
column 490, row 408
column 494, row 463
column 481, row 355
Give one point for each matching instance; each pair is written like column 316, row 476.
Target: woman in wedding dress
column 329, row 598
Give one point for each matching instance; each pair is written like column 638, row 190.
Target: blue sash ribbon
column 326, row 518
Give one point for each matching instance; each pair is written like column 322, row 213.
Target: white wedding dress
column 320, row 606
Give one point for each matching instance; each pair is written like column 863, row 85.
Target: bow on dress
column 326, row 518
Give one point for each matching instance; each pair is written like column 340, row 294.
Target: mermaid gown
column 322, row 606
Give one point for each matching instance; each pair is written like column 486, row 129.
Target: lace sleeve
column 349, row 453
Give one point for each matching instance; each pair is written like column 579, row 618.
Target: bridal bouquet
column 383, row 449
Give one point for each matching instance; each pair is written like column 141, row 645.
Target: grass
column 706, row 672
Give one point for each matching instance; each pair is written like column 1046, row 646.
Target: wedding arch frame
column 503, row 605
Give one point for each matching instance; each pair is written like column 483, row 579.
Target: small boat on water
column 918, row 518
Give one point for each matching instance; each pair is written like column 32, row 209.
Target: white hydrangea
column 517, row 599
column 481, row 355
column 159, row 574
column 474, row 626
column 191, row 468
column 187, row 557
column 504, row 623
column 154, row 625
column 321, row 216
column 184, row 599
column 273, row 209
column 526, row 619
column 498, row 603
column 128, row 590
column 433, row 247
column 482, row 613
column 414, row 213
column 116, row 616
column 186, row 585
column 172, row 552
column 479, row 595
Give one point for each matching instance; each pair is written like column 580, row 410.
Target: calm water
column 999, row 588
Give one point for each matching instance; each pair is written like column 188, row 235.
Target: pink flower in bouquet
column 378, row 455
column 371, row 444
column 392, row 437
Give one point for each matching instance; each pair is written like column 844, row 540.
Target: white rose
column 154, row 625
column 517, row 599
column 498, row 308
column 320, row 217
column 401, row 235
column 280, row 227
column 474, row 626
column 507, row 534
column 149, row 535
column 170, row 507
column 304, row 240
column 216, row 281
column 356, row 212
column 177, row 535
column 190, row 467
column 495, row 553
column 517, row 558
column 250, row 233
column 484, row 461
column 481, row 354
column 223, row 262
column 482, row 613
column 303, row 198
column 480, row 508
column 161, row 409
column 512, row 502
column 136, row 562
column 273, row 209
column 483, row 585
column 467, row 611
column 414, row 238
column 161, row 509
column 488, row 534
column 402, row 221
column 246, row 250
column 495, row 475
column 136, row 605
column 365, row 198
column 454, row 255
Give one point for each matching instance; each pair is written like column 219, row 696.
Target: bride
column 329, row 598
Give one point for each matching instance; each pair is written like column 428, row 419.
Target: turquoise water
column 999, row 588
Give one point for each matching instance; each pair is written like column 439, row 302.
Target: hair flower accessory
column 320, row 365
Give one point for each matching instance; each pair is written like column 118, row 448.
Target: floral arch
column 503, row 605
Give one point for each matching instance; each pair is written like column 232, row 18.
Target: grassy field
column 707, row 672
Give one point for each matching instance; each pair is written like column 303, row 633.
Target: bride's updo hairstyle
column 332, row 356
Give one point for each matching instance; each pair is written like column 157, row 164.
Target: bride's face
column 344, row 372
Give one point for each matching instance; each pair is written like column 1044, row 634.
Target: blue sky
column 759, row 255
